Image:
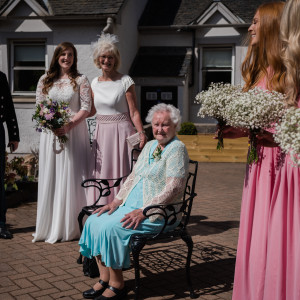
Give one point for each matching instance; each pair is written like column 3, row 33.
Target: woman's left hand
column 266, row 139
column 133, row 219
column 63, row 130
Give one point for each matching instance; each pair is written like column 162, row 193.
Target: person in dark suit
column 8, row 115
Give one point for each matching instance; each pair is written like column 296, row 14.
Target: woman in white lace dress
column 61, row 171
column 115, row 104
column 158, row 177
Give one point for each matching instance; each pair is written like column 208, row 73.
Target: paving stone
column 7, row 296
column 21, row 292
column 23, row 283
column 62, row 285
column 43, row 284
column 44, row 292
column 45, row 297
column 24, row 297
column 55, row 278
column 20, row 275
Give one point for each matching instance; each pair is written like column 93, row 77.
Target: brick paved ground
column 44, row 271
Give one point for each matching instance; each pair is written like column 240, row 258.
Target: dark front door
column 151, row 95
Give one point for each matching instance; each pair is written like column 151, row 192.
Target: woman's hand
column 229, row 132
column 63, row 130
column 266, row 139
column 135, row 115
column 133, row 219
column 111, row 207
column 143, row 139
column 77, row 118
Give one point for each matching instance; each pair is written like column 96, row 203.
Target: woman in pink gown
column 263, row 68
column 283, row 257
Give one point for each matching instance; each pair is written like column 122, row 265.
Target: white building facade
column 172, row 49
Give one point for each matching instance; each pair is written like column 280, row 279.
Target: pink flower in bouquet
column 49, row 116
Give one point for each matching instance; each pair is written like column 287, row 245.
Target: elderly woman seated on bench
column 158, row 177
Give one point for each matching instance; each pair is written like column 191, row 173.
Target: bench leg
column 80, row 218
column 136, row 247
column 188, row 240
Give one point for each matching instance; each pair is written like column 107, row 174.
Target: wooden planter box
column 202, row 147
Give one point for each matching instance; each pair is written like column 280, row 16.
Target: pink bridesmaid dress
column 282, row 279
column 267, row 261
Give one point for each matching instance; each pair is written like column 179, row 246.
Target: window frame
column 13, row 68
column 219, row 46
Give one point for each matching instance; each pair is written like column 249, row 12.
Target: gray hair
column 106, row 44
column 174, row 113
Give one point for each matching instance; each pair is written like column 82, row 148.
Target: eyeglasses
column 106, row 57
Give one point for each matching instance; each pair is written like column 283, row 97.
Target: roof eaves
column 59, row 17
column 193, row 27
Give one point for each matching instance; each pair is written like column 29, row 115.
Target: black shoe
column 5, row 234
column 120, row 294
column 92, row 294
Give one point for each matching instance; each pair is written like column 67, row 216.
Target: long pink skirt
column 112, row 154
column 256, row 212
column 282, row 279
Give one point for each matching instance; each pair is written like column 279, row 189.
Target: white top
column 109, row 96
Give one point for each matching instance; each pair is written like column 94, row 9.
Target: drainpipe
column 109, row 25
column 191, row 83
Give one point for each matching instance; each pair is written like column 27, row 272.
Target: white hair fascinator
column 105, row 39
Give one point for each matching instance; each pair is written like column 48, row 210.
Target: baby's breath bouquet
column 214, row 101
column 254, row 110
column 288, row 134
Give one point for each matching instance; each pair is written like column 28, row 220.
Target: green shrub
column 188, row 128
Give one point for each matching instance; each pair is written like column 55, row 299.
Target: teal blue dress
column 105, row 236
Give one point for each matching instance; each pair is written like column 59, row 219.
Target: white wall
column 29, row 138
column 126, row 29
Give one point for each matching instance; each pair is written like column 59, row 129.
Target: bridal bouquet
column 214, row 102
column 254, row 110
column 50, row 115
column 288, row 134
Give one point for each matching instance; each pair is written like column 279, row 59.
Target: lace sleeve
column 39, row 91
column 85, row 94
column 174, row 187
column 176, row 174
column 126, row 186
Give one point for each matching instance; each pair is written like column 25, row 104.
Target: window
column 216, row 65
column 27, row 64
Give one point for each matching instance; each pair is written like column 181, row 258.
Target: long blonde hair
column 290, row 36
column 266, row 55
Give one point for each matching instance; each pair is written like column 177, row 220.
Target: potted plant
column 188, row 128
column 20, row 179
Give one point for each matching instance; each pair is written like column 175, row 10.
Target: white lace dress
column 60, row 195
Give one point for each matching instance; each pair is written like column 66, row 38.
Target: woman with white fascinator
column 114, row 102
